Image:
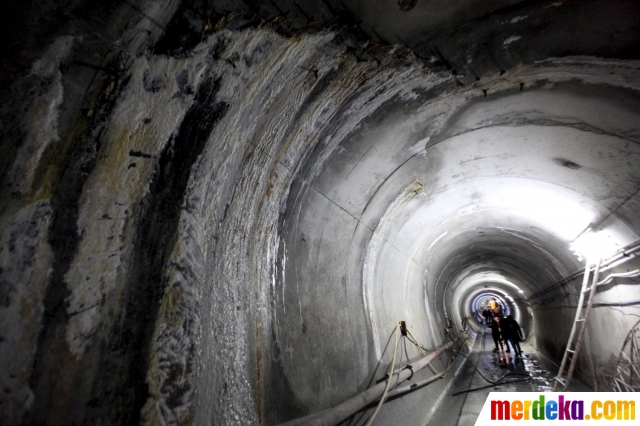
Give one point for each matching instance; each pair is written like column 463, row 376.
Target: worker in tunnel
column 512, row 333
column 495, row 307
column 498, row 336
column 488, row 315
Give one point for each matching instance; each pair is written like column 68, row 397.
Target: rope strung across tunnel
column 335, row 415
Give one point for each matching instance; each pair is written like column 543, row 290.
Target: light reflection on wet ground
column 532, row 372
column 538, row 378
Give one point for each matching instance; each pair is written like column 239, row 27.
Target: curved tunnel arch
column 218, row 213
column 496, row 197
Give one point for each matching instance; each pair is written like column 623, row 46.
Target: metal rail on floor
column 580, row 321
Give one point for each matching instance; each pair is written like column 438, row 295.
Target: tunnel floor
column 533, row 372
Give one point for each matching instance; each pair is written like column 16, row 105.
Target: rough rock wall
column 49, row 145
column 143, row 273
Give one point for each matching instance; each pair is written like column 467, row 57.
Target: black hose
column 488, row 386
column 491, row 381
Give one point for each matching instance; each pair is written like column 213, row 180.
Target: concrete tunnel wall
column 435, row 229
column 222, row 219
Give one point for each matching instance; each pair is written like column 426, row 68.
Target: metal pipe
column 613, row 261
column 610, row 277
column 335, row 415
column 416, row 385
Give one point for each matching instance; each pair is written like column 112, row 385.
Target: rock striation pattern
column 148, row 168
column 150, row 262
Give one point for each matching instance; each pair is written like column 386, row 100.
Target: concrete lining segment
column 501, row 188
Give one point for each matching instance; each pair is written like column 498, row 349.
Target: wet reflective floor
column 494, row 372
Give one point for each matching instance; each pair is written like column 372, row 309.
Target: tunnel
column 220, row 212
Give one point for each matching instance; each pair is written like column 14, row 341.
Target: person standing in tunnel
column 496, row 332
column 494, row 306
column 487, row 316
column 512, row 333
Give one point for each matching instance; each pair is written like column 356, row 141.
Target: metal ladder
column 573, row 351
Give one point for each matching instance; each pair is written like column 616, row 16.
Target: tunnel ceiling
column 520, row 175
column 217, row 211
